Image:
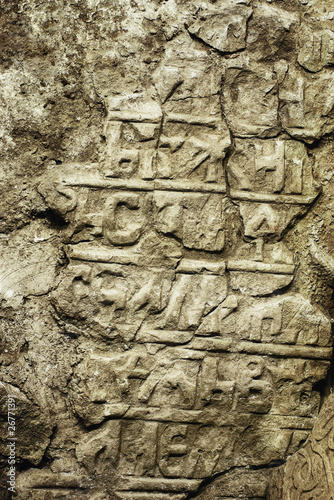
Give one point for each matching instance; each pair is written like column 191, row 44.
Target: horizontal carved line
column 253, row 266
column 137, row 117
column 207, row 121
column 203, row 416
column 287, row 422
column 96, row 254
column 188, row 266
column 284, row 350
column 162, row 414
column 230, row 345
column 47, row 479
column 157, row 484
column 192, row 266
column 95, row 181
column 134, row 116
column 198, row 187
column 136, row 495
column 165, row 336
column 290, row 199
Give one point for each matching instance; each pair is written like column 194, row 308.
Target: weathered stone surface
column 316, row 47
column 272, row 30
column 34, row 428
column 271, row 166
column 224, row 29
column 166, row 248
column 316, row 37
column 30, row 270
column 250, row 98
column 309, row 473
column 304, row 114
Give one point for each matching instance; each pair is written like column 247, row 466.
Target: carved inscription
column 199, row 354
column 193, row 355
column 154, row 143
column 300, row 99
column 316, row 48
column 271, row 166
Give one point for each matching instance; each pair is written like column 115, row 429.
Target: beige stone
column 310, row 471
column 166, row 248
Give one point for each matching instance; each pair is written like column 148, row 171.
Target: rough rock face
column 166, row 235
column 309, row 472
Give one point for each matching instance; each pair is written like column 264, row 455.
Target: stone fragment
column 30, row 271
column 306, row 103
column 275, row 166
column 290, row 320
column 250, row 99
column 271, row 32
column 260, row 269
column 183, row 137
column 60, row 198
column 132, row 131
column 97, row 451
column 258, row 285
column 268, row 219
column 237, row 483
column 310, row 471
column 224, row 30
column 197, row 219
column 316, row 48
column 187, row 71
column 32, row 428
column 192, row 146
column 188, row 387
column 112, row 298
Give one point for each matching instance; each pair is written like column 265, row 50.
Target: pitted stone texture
column 309, row 472
column 33, row 428
column 250, row 98
column 165, row 287
column 224, row 29
column 304, row 114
